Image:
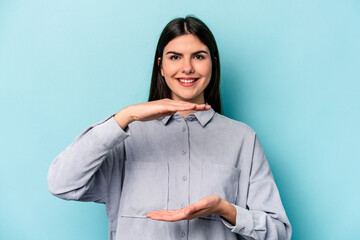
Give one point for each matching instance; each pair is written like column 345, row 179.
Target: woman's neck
column 199, row 100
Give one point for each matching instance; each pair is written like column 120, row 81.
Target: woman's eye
column 199, row 57
column 174, row 57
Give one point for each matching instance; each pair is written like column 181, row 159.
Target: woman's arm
column 155, row 109
column 86, row 164
column 212, row 204
column 82, row 171
column 265, row 218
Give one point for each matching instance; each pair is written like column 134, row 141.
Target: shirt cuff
column 110, row 133
column 244, row 221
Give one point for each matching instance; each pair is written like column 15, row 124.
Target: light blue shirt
column 170, row 163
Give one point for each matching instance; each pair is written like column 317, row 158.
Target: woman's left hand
column 212, row 204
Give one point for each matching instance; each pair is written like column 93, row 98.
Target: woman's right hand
column 155, row 109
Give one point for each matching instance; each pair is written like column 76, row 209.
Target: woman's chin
column 188, row 98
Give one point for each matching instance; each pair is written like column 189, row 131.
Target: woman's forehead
column 187, row 43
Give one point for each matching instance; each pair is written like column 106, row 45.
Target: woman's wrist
column 123, row 118
column 228, row 211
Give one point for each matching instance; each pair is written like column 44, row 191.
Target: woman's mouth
column 187, row 82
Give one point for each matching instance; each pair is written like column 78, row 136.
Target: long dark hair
column 175, row 28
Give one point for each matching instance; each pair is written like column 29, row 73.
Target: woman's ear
column 160, row 65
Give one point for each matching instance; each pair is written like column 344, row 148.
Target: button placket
column 183, row 128
column 183, row 174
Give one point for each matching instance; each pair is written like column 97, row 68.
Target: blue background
column 290, row 70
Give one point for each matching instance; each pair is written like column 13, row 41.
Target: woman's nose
column 187, row 66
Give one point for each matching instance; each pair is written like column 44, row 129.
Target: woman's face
column 186, row 67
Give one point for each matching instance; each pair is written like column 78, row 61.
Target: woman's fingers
column 152, row 110
column 165, row 211
column 167, row 215
column 183, row 106
column 176, row 215
column 207, row 205
column 169, row 107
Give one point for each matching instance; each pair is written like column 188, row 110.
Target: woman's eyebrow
column 180, row 54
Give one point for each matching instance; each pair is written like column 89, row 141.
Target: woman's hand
column 212, row 204
column 155, row 109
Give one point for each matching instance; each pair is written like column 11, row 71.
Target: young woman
column 174, row 167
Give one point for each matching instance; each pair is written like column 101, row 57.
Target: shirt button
column 182, row 233
column 183, row 128
column 183, row 151
column 182, row 205
column 184, row 178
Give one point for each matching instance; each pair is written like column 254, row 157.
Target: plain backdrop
column 290, row 70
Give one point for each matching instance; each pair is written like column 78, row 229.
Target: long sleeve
column 84, row 169
column 265, row 217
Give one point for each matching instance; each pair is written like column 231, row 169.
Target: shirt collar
column 202, row 116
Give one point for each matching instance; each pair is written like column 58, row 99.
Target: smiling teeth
column 187, row 81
